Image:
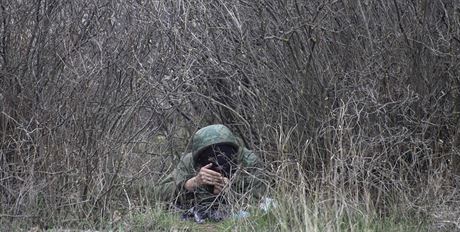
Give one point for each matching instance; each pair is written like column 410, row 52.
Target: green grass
column 284, row 218
column 156, row 219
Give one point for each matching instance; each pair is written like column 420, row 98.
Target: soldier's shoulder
column 185, row 164
column 249, row 157
column 186, row 157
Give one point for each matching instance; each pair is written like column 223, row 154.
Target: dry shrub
column 99, row 99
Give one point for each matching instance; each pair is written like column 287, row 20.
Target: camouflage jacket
column 247, row 181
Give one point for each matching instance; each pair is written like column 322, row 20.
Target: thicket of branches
column 99, row 98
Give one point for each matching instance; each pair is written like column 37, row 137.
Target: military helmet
column 211, row 135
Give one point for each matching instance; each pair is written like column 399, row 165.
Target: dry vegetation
column 99, row 98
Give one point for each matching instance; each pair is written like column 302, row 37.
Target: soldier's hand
column 219, row 187
column 207, row 176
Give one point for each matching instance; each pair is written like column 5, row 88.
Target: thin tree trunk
column 456, row 143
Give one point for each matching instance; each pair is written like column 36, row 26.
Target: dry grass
column 353, row 106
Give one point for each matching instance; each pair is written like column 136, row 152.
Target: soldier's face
column 221, row 156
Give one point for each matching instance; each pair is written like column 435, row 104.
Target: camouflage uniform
column 248, row 178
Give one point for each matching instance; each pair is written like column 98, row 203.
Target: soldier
column 218, row 160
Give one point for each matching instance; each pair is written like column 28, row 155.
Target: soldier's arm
column 183, row 173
